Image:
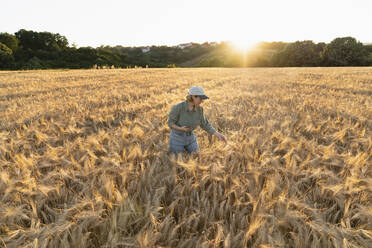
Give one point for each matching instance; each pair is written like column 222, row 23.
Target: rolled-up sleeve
column 173, row 115
column 204, row 124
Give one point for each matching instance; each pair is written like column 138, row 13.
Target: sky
column 171, row 22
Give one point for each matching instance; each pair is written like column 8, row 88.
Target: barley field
column 84, row 159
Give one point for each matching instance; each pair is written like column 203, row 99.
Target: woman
column 184, row 117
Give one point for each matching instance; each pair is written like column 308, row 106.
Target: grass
column 84, row 159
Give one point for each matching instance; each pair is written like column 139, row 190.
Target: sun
column 244, row 45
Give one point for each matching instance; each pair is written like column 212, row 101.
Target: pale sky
column 171, row 22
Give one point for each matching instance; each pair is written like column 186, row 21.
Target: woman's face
column 197, row 100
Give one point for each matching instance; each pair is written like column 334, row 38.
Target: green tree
column 10, row 41
column 345, row 51
column 275, row 45
column 299, row 53
column 108, row 56
column 6, row 57
column 41, row 40
column 215, row 61
column 34, row 63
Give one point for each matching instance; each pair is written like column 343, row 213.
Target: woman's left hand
column 220, row 136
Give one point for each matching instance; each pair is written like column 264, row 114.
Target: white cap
column 197, row 91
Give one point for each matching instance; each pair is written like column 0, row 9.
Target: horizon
column 71, row 44
column 165, row 23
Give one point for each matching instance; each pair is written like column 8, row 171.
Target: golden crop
column 84, row 159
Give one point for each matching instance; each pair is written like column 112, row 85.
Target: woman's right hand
column 185, row 129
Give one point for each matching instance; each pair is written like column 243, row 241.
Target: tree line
column 27, row 49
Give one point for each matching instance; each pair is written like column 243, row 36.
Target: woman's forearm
column 175, row 127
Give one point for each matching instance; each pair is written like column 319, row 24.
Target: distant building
column 145, row 49
column 210, row 44
column 182, row 46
